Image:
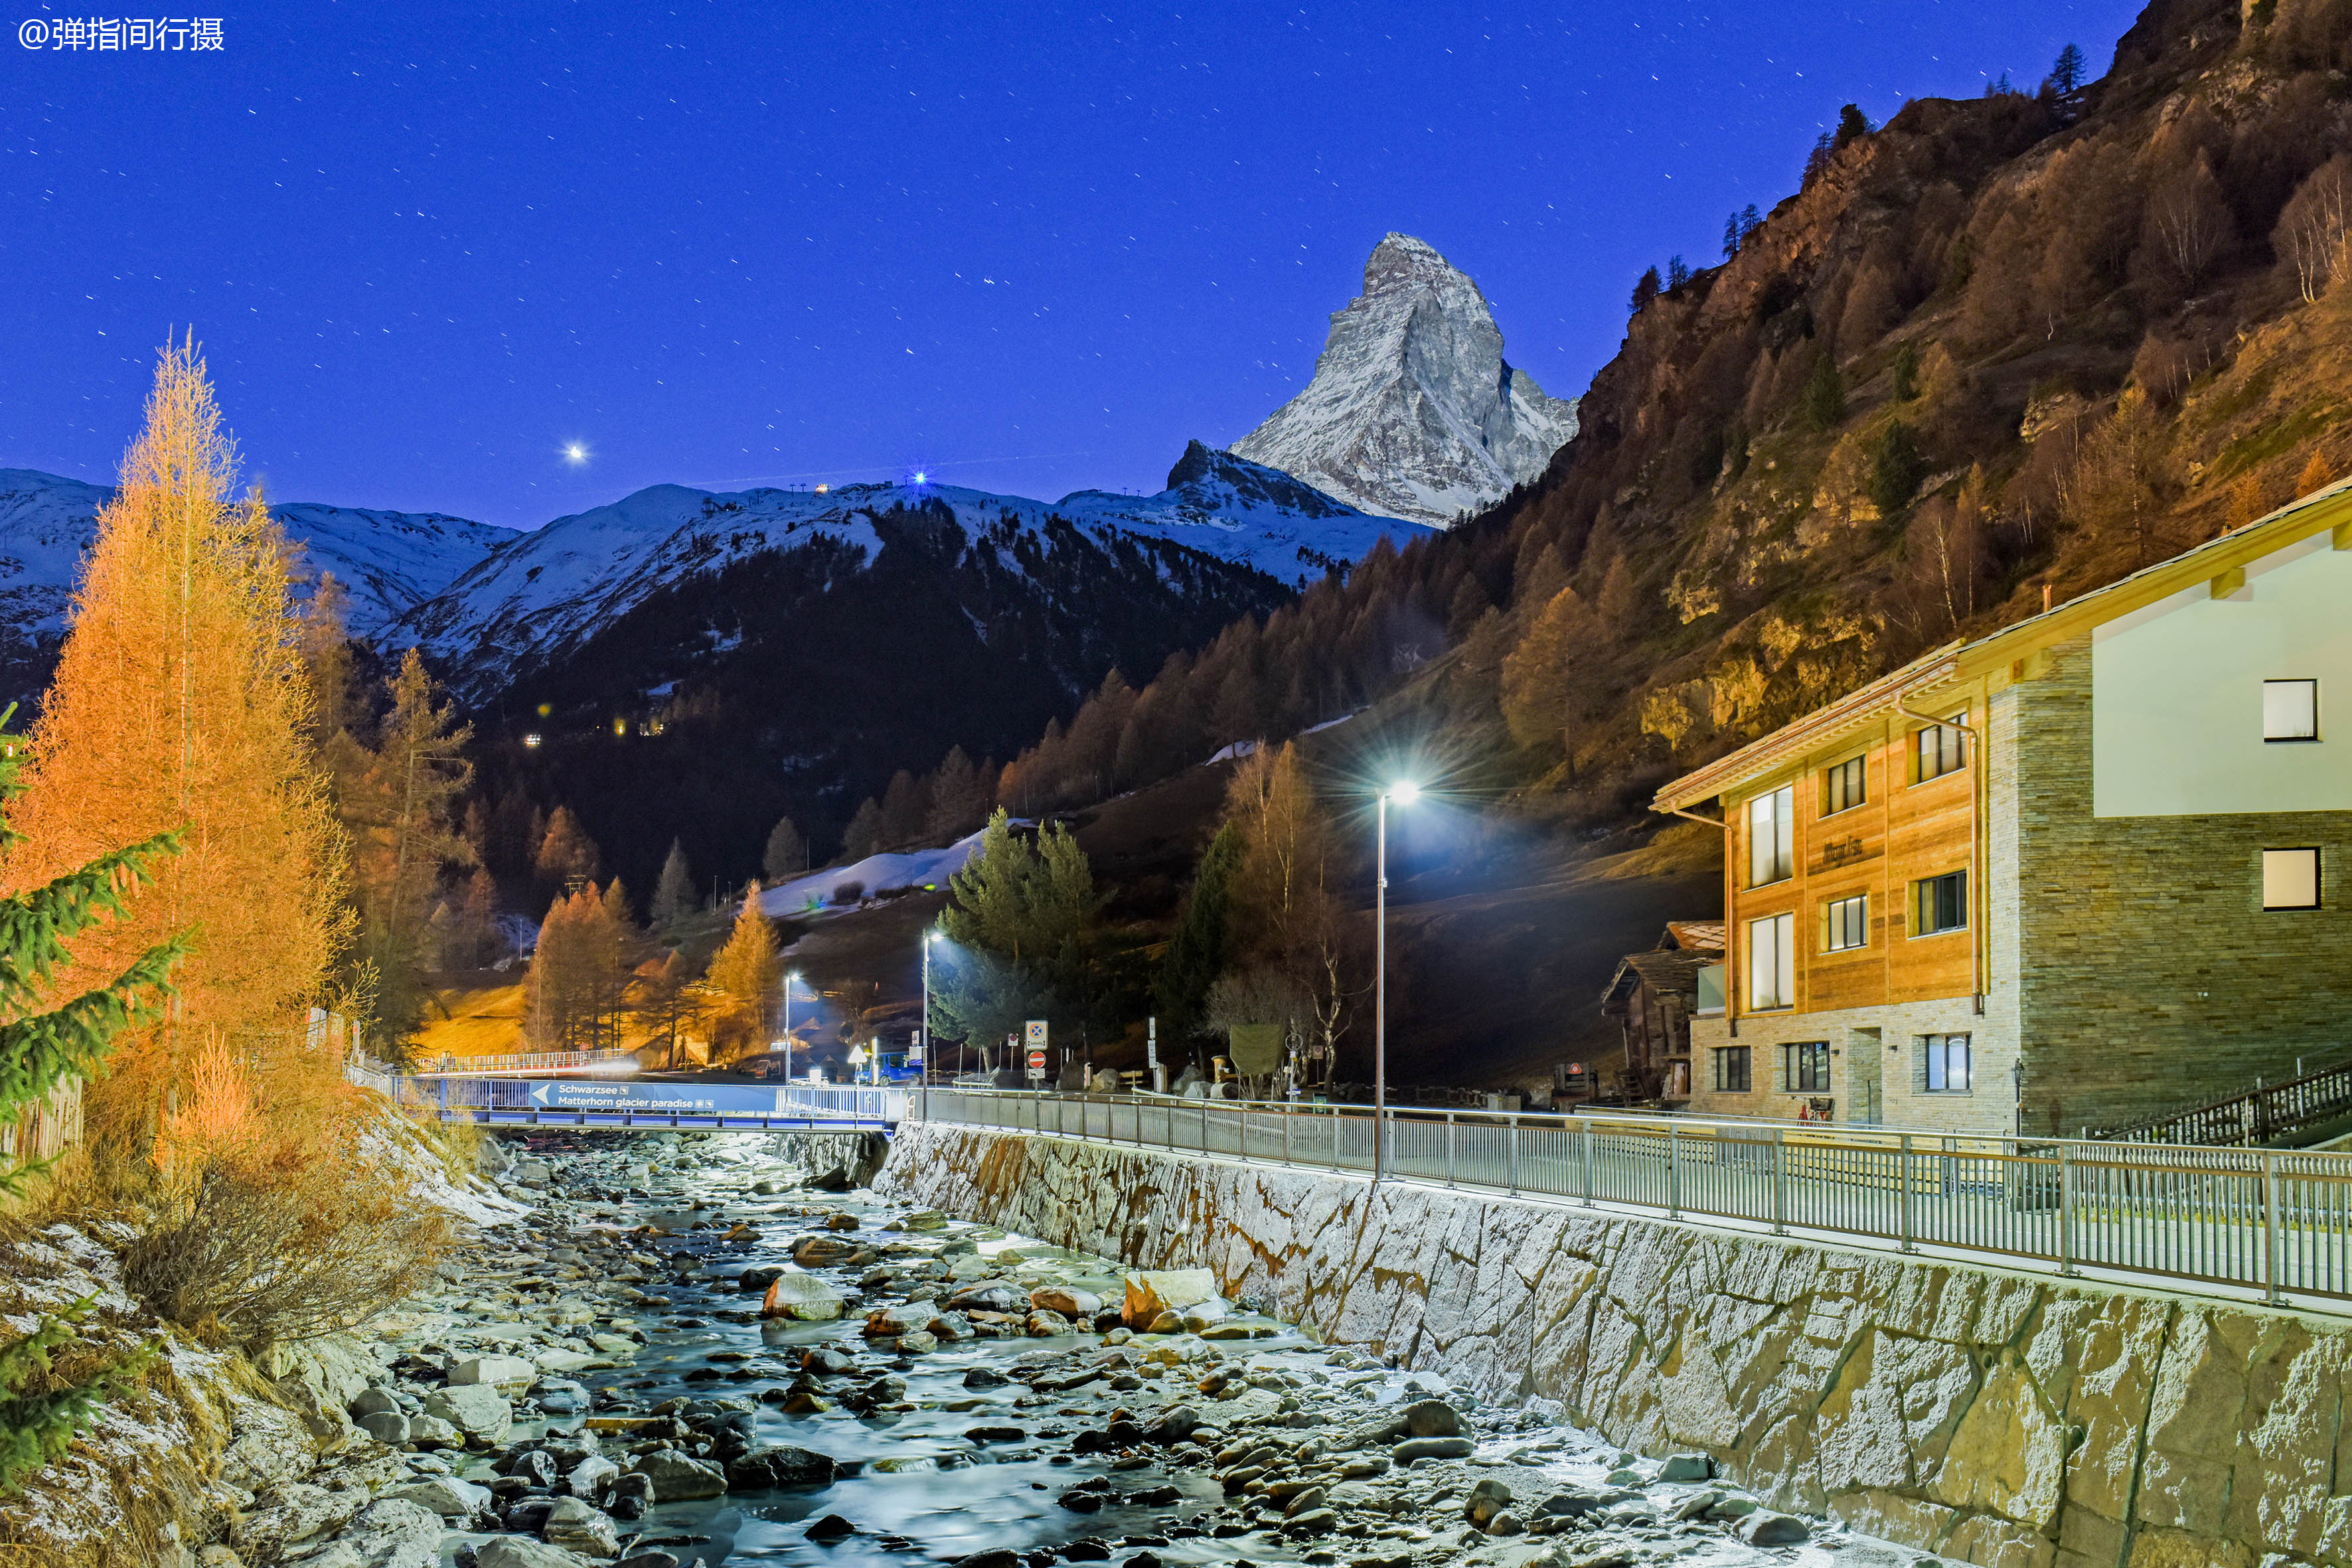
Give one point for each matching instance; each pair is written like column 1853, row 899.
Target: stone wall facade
column 1892, row 1031
column 1998, row 1418
column 2149, row 976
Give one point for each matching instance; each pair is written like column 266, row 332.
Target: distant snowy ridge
column 390, row 560
column 813, row 894
column 1413, row 411
column 548, row 593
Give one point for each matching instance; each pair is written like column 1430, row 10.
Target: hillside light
column 1404, row 791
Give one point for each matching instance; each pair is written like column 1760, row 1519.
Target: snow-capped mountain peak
column 1413, row 411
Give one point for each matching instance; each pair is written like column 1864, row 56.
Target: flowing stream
column 1237, row 1441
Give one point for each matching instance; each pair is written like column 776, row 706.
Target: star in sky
column 575, row 453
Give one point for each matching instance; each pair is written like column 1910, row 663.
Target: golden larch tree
column 744, row 977
column 181, row 703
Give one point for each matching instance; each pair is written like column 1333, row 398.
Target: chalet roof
column 1694, row 936
column 1944, row 674
column 1665, row 970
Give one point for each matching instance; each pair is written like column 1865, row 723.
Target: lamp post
column 924, row 1034
column 1404, row 793
column 790, row 980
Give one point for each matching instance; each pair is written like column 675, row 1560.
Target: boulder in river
column 777, row 1465
column 1154, row 1291
column 472, row 1408
column 1069, row 1301
column 581, row 1527
column 803, row 1296
column 1413, row 1448
column 822, row 1251
column 678, row 1479
column 1432, row 1418
column 989, row 1296
column 520, row 1551
column 507, row 1373
column 446, row 1496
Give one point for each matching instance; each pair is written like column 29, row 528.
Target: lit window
column 1940, row 904
column 1841, row 786
column 1771, row 837
column 1941, row 747
column 1731, row 1069
column 2290, row 879
column 1944, row 1064
column 2290, row 710
column 1846, row 923
column 1805, row 1067
column 1773, row 962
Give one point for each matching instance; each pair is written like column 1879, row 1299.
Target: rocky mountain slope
column 515, row 618
column 1413, row 411
column 390, row 562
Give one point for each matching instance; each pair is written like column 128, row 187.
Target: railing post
column 1204, row 1125
column 1514, row 1154
column 1780, row 1181
column 1449, row 1148
column 1584, row 1136
column 1287, row 1115
column 2271, row 1238
column 2065, row 1209
column 1674, row 1172
column 1903, row 1189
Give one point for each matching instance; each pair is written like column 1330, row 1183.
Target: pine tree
column 864, row 834
column 1852, row 126
column 404, row 834
column 785, row 858
column 1645, row 287
column 745, row 978
column 182, row 701
column 960, row 800
column 1825, row 395
column 1731, row 234
column 1677, row 273
column 1021, row 923
column 566, row 852
column 906, row 809
column 41, row 1052
column 1196, row 954
column 673, row 893
column 2065, row 78
column 477, row 920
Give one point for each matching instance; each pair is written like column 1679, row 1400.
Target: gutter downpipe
column 1979, row 898
column 1730, row 1005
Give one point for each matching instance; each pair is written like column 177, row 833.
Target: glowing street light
column 790, row 980
column 923, row 1035
column 1404, row 791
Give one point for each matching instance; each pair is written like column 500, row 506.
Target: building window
column 1846, row 923
column 1944, row 1064
column 1941, row 747
column 1772, row 836
column 2290, row 879
column 1805, row 1067
column 1841, row 787
column 1731, row 1069
column 1940, row 904
column 2290, row 710
column 1772, row 963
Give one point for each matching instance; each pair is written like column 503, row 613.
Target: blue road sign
column 640, row 1098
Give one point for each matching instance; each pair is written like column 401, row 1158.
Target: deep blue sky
column 1029, row 247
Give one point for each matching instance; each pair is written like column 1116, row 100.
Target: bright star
column 575, row 453
column 921, row 476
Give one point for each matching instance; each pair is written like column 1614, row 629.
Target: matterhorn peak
column 1413, row 411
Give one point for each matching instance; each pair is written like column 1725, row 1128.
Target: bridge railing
column 523, row 1062
column 2275, row 1221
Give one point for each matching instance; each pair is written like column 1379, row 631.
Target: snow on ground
column 813, row 894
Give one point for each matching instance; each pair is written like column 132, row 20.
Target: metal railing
column 2275, row 1221
column 523, row 1062
column 2261, row 1115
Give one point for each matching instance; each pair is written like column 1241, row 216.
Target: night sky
column 1023, row 247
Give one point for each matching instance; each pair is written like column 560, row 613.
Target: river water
column 646, row 1238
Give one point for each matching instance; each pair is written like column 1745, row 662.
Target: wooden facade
column 1653, row 996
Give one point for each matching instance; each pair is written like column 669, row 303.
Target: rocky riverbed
column 689, row 1349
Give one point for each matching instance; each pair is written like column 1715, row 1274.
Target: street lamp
column 924, row 1034
column 790, row 980
column 1404, row 791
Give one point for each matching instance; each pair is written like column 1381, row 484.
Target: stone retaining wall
column 1995, row 1417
